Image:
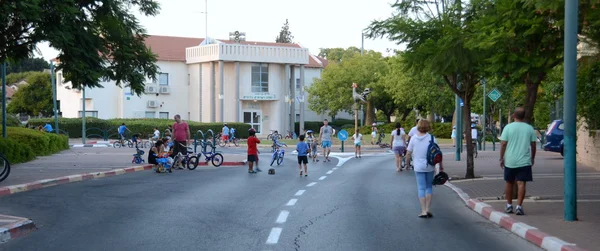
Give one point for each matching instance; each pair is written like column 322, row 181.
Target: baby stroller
column 137, row 157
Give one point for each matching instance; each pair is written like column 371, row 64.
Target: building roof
column 9, row 92
column 170, row 48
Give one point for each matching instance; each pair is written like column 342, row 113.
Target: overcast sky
column 314, row 23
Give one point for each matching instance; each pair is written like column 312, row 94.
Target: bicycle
column 274, row 133
column 278, row 154
column 232, row 139
column 475, row 152
column 380, row 138
column 214, row 157
column 290, row 135
column 4, row 167
column 183, row 159
column 138, row 156
column 150, row 142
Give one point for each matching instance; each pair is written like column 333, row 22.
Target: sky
column 314, row 23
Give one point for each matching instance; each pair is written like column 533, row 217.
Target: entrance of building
column 254, row 118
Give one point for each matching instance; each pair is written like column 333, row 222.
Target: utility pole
column 484, row 108
column 4, row 99
column 83, row 136
column 570, row 110
column 53, row 80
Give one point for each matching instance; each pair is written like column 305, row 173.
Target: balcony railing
column 246, row 53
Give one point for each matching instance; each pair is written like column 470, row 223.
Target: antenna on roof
column 237, row 36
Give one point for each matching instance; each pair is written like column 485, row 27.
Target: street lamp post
column 484, row 109
column 53, row 80
column 570, row 111
column 4, row 99
column 83, row 136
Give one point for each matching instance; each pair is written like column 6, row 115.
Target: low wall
column 588, row 148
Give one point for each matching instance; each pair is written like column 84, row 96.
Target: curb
column 531, row 234
column 90, row 145
column 231, row 163
column 15, row 230
column 8, row 190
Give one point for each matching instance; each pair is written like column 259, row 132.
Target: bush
column 24, row 144
column 316, row 125
column 439, row 130
column 11, row 120
column 99, row 128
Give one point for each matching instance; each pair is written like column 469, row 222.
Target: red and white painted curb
column 68, row 179
column 521, row 229
column 17, row 228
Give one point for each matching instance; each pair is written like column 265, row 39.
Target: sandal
column 423, row 216
column 429, row 215
column 300, row 173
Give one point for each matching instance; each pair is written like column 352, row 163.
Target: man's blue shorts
column 326, row 143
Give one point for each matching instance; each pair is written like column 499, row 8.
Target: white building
column 217, row 81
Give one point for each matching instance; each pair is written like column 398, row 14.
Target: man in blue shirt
column 225, row 134
column 122, row 129
column 302, row 149
column 48, row 127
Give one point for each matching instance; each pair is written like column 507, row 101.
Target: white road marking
column 342, row 161
column 330, row 172
column 292, row 202
column 274, row 235
column 323, row 177
column 335, row 168
column 300, row 192
column 282, row 216
column 311, row 184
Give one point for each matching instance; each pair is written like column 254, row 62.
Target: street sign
column 462, row 103
column 494, row 95
column 343, row 135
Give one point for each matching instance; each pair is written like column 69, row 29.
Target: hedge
column 439, row 130
column 96, row 128
column 24, row 144
column 11, row 120
column 316, row 125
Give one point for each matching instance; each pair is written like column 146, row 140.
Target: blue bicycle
column 214, row 157
column 278, row 153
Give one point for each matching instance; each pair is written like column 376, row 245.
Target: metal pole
column 570, row 110
column 458, row 132
column 83, row 116
column 53, row 80
column 484, row 108
column 4, row 99
column 362, row 46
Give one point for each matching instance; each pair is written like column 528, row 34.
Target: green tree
column 525, row 42
column 335, row 55
column 285, row 35
column 435, row 35
column 332, row 93
column 28, row 64
column 35, row 98
column 97, row 40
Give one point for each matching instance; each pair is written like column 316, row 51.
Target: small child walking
column 357, row 142
column 302, row 148
column 253, row 142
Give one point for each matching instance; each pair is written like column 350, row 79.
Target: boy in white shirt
column 357, row 140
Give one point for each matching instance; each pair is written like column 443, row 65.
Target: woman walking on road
column 398, row 145
column 417, row 148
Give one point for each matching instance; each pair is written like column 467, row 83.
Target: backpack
column 434, row 154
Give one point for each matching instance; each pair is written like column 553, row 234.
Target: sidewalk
column 544, row 206
column 14, row 227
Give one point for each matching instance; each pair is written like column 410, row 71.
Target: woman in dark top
column 154, row 152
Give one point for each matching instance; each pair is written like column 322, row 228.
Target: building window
column 93, row 114
column 163, row 115
column 163, row 79
column 150, row 115
column 254, row 119
column 297, row 84
column 260, row 78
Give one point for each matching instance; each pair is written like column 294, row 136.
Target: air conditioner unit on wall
column 165, row 90
column 150, row 89
column 152, row 103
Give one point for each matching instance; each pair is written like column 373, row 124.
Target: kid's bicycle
column 4, row 167
column 214, row 157
column 138, row 157
column 278, row 154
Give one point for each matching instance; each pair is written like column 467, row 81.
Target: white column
column 301, row 102
column 221, row 92
column 212, row 92
column 286, row 90
column 238, row 107
column 292, row 80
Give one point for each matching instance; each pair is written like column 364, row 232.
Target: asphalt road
column 362, row 205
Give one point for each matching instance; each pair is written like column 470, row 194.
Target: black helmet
column 440, row 178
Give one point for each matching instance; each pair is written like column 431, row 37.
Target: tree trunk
column 430, row 117
column 469, row 139
column 370, row 113
column 454, row 118
column 530, row 99
column 405, row 114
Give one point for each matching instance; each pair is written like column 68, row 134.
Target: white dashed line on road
column 330, row 172
column 323, row 177
column 292, row 202
column 282, row 217
column 274, row 235
column 335, row 168
column 311, row 184
column 300, row 192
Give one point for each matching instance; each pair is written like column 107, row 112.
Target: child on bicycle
column 275, row 139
